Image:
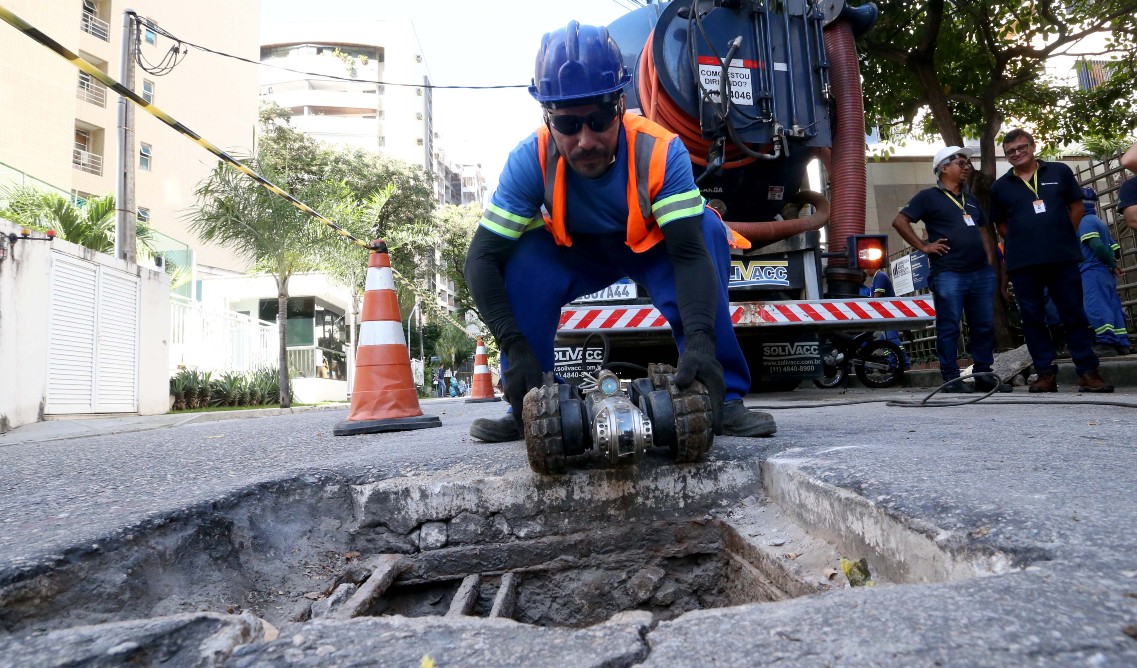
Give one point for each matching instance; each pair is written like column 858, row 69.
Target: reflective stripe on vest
column 647, row 157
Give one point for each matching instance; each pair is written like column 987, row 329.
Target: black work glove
column 698, row 363
column 522, row 374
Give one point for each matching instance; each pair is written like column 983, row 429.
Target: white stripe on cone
column 481, row 350
column 380, row 278
column 481, row 368
column 380, row 333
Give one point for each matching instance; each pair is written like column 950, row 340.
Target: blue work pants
column 541, row 277
column 970, row 293
column 1063, row 282
column 1103, row 307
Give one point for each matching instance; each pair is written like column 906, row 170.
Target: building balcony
column 85, row 161
column 294, row 99
column 93, row 91
column 93, row 25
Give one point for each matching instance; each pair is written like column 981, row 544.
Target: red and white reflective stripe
column 380, row 278
column 380, row 333
column 753, row 314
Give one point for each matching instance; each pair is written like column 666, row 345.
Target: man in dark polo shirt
column 1036, row 206
column 962, row 261
column 1127, row 194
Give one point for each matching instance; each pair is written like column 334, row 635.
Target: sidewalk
column 80, row 426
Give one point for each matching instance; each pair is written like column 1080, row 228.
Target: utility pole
column 125, row 237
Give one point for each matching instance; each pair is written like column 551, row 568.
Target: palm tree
column 90, row 224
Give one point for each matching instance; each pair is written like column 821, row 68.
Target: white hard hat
column 947, row 152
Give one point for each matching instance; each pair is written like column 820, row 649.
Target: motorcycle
column 877, row 363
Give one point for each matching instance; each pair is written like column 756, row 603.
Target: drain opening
column 669, row 569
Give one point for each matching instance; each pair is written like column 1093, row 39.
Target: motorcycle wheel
column 832, row 376
column 880, row 364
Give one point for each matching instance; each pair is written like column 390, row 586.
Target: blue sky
column 470, row 42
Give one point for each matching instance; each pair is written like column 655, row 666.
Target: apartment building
column 58, row 125
column 332, row 84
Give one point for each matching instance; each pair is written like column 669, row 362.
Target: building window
column 418, row 91
column 145, row 157
column 143, row 214
column 418, row 115
column 381, row 141
column 148, row 90
column 419, row 141
column 150, row 36
column 418, row 58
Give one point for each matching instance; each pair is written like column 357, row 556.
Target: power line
column 153, row 26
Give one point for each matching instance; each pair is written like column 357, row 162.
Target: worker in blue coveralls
column 1099, row 281
column 619, row 201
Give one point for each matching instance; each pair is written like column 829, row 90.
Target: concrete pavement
column 1043, row 487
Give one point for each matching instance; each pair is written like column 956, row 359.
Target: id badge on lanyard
column 1039, row 206
column 968, row 220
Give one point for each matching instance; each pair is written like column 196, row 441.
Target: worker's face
column 958, row 167
column 588, row 150
column 1019, row 152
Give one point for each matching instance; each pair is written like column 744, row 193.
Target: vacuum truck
column 757, row 91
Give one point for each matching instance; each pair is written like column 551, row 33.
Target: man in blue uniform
column 962, row 271
column 596, row 195
column 1099, row 281
column 1036, row 206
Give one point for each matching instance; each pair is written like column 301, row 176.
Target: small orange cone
column 384, row 397
column 481, row 387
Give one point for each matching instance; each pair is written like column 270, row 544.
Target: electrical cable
column 330, row 76
column 925, row 403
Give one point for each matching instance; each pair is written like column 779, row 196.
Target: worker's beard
column 591, row 164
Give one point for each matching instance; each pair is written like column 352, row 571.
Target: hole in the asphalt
column 665, row 568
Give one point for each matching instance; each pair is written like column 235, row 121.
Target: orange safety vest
column 647, row 157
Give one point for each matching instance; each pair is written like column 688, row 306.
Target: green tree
column 277, row 238
column 973, row 65
column 455, row 227
column 453, row 346
column 90, row 224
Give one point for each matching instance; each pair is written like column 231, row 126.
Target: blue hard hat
column 576, row 65
column 1089, row 193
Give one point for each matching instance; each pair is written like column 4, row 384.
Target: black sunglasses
column 597, row 121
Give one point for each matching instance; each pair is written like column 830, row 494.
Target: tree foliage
column 973, row 65
column 277, row 238
column 90, row 224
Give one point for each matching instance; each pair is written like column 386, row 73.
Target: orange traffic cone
column 481, row 387
column 384, row 397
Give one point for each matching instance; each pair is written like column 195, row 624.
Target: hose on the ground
column 925, row 403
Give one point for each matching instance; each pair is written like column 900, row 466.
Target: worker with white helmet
column 595, row 195
column 962, row 272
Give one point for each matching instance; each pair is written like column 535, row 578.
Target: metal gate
column 92, row 338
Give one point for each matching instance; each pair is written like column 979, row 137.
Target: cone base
column 483, row 401
column 350, row 428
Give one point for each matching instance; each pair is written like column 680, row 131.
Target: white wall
column 25, row 299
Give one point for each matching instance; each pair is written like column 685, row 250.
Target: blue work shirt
column 942, row 216
column 593, row 206
column 1092, row 227
column 1037, row 238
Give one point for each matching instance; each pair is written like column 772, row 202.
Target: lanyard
column 960, row 203
column 1033, row 188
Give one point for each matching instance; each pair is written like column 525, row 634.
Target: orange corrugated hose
column 659, row 107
